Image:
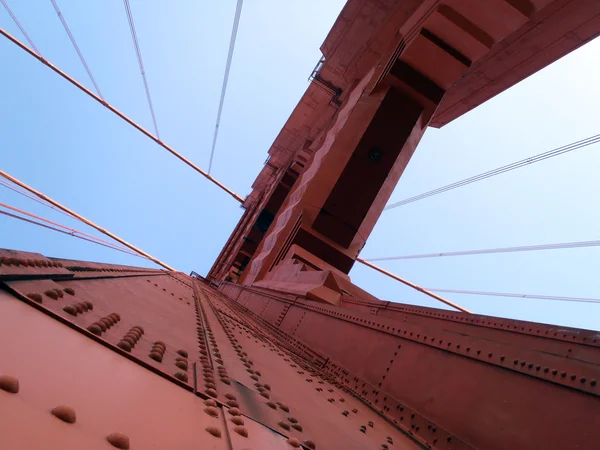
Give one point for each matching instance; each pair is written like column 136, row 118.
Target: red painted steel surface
column 302, row 358
column 480, row 386
column 266, row 393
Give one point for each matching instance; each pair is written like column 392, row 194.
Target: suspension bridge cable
column 140, row 62
column 120, row 114
column 40, row 224
column 414, row 286
column 84, row 220
column 71, row 231
column 72, row 38
column 236, row 21
column 16, row 21
column 505, row 294
column 524, row 248
column 507, row 168
column 28, row 195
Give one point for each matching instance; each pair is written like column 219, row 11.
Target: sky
column 64, row 144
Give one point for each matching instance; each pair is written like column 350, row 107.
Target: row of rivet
column 209, row 381
column 131, row 338
column 104, row 324
column 26, row 262
column 263, row 389
column 78, row 308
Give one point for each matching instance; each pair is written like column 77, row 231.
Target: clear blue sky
column 61, row 142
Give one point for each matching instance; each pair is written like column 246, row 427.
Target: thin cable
column 119, row 114
column 505, row 294
column 140, row 62
column 516, row 165
column 39, row 224
column 414, row 286
column 16, row 21
column 524, row 248
column 32, row 197
column 236, row 21
column 72, row 38
column 71, row 231
column 84, row 220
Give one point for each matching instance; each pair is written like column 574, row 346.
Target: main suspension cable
column 140, row 62
column 18, row 24
column 236, row 21
column 120, row 114
column 505, row 294
column 74, row 42
column 524, row 248
column 83, row 219
column 412, row 285
column 491, row 173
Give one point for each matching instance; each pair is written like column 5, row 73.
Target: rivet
column 52, row 294
column 284, row 407
column 183, row 353
column 212, row 392
column 95, row 329
column 272, row 405
column 9, row 384
column 124, row 345
column 155, row 356
column 214, row 431
column 237, row 420
column 181, row 376
column 294, row 442
column 129, row 340
column 70, row 309
column 283, row 424
column 211, row 411
column 89, row 304
column 310, row 444
column 230, row 396
column 297, row 426
column 182, row 365
column 265, row 394
column 69, row 291
column 233, row 403
column 59, row 292
column 210, row 402
column 35, row 297
column 254, row 377
column 242, row 431
column 65, row 413
column 118, row 440
column 234, row 412
column 101, row 325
